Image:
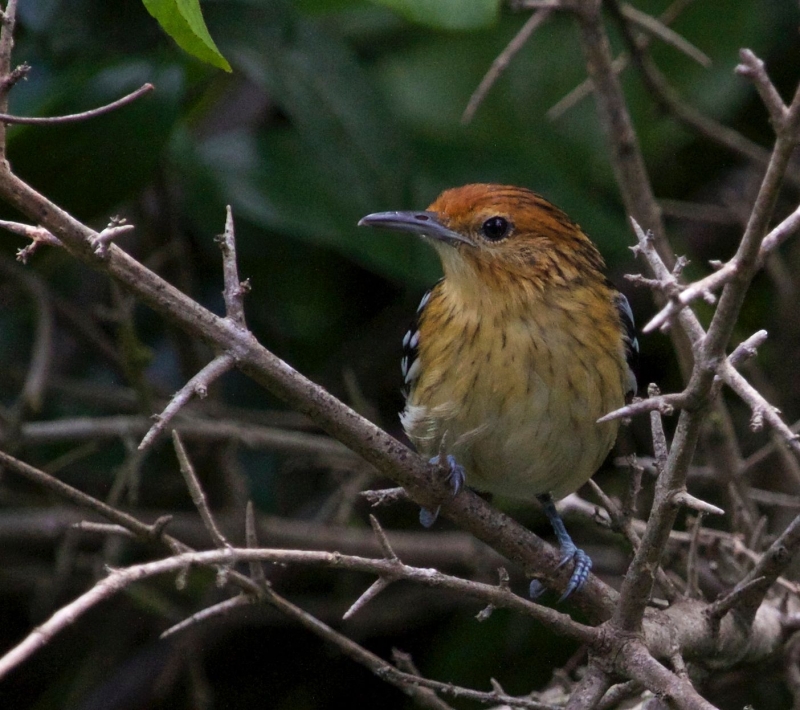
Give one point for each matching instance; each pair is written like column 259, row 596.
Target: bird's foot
column 583, row 565
column 569, row 552
column 455, row 477
column 580, row 573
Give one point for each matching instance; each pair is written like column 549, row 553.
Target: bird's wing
column 409, row 364
column 631, row 342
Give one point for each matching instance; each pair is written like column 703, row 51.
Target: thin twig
column 196, row 491
column 197, row 386
column 74, row 117
column 753, row 68
column 211, row 612
column 664, row 404
column 425, row 697
column 621, row 61
column 225, row 557
column 770, row 566
column 688, row 500
column 501, row 62
column 657, row 28
column 692, row 572
column 728, row 272
column 251, row 538
column 34, row 388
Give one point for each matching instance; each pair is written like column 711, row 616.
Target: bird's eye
column 495, row 228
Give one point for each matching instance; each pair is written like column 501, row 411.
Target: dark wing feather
column 631, row 342
column 409, row 365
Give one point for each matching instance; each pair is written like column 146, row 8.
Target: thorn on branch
column 385, row 496
column 197, row 493
column 102, row 240
column 757, row 419
column 503, row 579
column 374, row 590
column 641, row 281
column 18, row 73
column 687, row 499
column 220, row 609
column 680, row 264
column 234, row 289
column 485, row 613
column 747, row 349
column 383, row 541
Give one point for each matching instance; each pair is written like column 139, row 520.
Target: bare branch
column 211, row 612
column 621, row 61
column 626, row 157
column 198, row 386
column 780, row 234
column 716, row 610
column 501, row 62
column 726, row 273
column 75, row 117
column 196, row 491
column 33, row 390
column 664, row 404
column 590, row 689
column 753, row 68
column 771, row 565
column 225, row 557
column 752, row 397
column 427, row 698
column 658, row 29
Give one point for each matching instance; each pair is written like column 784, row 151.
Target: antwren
column 517, row 352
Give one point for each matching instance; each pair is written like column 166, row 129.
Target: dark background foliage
column 334, row 109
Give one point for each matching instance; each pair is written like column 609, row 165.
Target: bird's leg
column 583, row 563
column 455, row 477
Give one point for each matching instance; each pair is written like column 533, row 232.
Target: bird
column 516, row 352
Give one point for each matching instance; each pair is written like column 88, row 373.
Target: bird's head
column 499, row 234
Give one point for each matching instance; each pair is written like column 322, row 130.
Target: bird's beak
column 426, row 224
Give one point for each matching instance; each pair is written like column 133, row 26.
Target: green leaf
column 183, row 21
column 446, row 14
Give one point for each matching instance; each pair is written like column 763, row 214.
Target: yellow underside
column 516, row 390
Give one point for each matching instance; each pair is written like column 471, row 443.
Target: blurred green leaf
column 446, row 14
column 183, row 21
